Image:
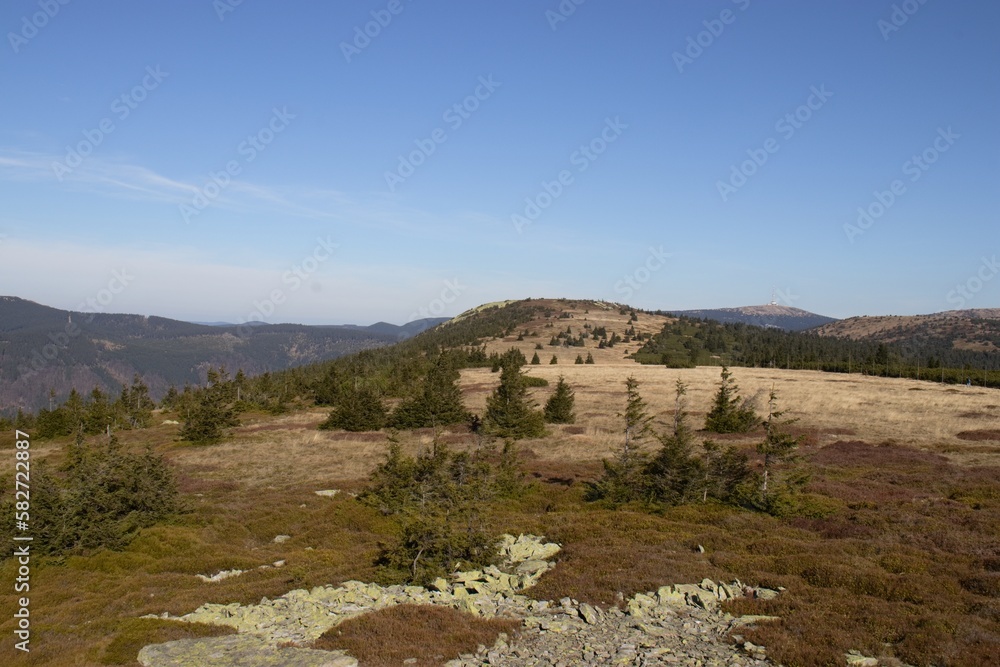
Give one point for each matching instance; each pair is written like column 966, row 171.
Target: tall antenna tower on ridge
column 774, row 298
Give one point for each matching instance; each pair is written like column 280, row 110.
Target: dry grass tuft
column 430, row 634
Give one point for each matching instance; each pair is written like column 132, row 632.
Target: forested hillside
column 688, row 342
column 45, row 350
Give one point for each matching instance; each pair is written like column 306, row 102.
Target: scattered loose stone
column 328, row 493
column 219, row 576
column 765, row 594
column 226, row 574
column 676, row 625
column 857, row 659
column 282, row 538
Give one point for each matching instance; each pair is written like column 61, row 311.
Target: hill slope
column 973, row 330
column 43, row 349
column 768, row 315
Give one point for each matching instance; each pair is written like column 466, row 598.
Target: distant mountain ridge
column 772, row 315
column 44, row 348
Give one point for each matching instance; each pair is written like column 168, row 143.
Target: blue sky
column 260, row 160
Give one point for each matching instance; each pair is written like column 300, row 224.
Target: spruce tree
column 559, row 407
column 554, row 360
column 439, row 402
column 579, row 359
column 624, row 477
column 590, row 358
column 207, row 420
column 327, row 390
column 135, row 406
column 730, row 414
column 535, row 360
column 169, row 399
column 728, row 476
column 104, row 496
column 778, row 445
column 357, row 409
column 99, row 416
column 675, row 475
column 510, row 412
column 76, row 410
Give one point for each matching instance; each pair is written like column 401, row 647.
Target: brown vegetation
column 430, row 635
column 983, row 434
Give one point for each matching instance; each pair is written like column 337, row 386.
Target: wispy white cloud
column 118, row 178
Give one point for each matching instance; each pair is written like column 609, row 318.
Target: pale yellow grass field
column 920, row 414
column 289, row 451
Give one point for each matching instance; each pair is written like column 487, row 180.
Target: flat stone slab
column 237, row 651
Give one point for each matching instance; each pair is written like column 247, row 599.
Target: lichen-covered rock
column 677, row 624
column 857, row 659
column 237, row 651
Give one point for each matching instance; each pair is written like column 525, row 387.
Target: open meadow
column 895, row 554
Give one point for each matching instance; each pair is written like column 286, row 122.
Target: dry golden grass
column 920, row 414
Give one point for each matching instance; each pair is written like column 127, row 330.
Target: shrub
column 438, row 499
column 104, row 498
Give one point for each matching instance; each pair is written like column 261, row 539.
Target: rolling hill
column 769, row 315
column 43, row 349
column 975, row 330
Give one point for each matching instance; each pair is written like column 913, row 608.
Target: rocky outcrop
column 677, row 624
column 668, row 627
column 301, row 616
